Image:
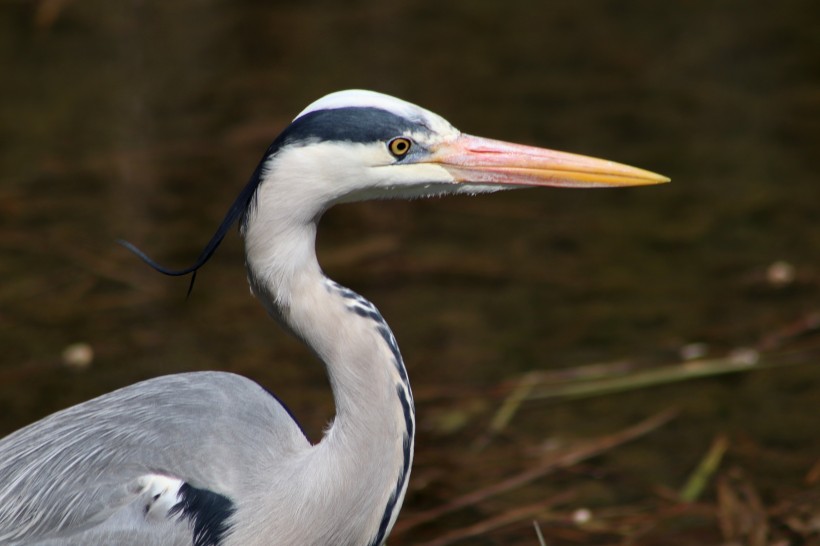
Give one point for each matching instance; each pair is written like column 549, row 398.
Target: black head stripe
column 351, row 124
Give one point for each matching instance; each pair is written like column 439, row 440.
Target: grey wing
column 137, row 461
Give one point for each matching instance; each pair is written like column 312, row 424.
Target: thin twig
column 586, row 451
column 538, row 533
column 490, row 524
column 699, row 478
column 507, row 410
column 671, row 374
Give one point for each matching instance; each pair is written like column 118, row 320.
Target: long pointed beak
column 471, row 159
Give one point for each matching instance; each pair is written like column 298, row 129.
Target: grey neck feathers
column 370, row 443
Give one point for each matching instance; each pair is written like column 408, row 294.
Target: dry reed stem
column 590, row 449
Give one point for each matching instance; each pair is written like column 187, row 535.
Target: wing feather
column 80, row 469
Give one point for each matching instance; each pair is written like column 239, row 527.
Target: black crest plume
column 238, row 210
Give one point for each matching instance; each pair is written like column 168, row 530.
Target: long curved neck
column 364, row 458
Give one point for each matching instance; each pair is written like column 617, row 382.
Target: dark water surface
column 143, row 120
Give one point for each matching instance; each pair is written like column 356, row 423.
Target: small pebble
column 780, row 274
column 582, row 516
column 693, row 351
column 744, row 356
column 78, row 356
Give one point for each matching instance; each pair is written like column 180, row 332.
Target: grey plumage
column 82, row 466
column 212, row 459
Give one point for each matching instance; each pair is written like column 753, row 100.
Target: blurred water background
column 143, row 119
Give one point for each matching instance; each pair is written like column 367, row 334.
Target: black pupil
column 400, row 146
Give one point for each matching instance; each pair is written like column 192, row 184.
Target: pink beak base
column 486, row 161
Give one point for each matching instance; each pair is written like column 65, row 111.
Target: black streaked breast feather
column 207, row 513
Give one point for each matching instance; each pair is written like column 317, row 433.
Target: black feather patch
column 351, row 124
column 207, row 513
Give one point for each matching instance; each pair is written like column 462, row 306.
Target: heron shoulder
column 74, row 470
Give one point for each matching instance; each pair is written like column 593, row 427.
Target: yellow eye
column 399, row 146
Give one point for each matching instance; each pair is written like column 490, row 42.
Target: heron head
column 356, row 145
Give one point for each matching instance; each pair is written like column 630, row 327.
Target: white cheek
column 412, row 174
column 308, row 178
column 305, row 180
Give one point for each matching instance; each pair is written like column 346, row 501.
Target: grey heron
column 211, row 458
